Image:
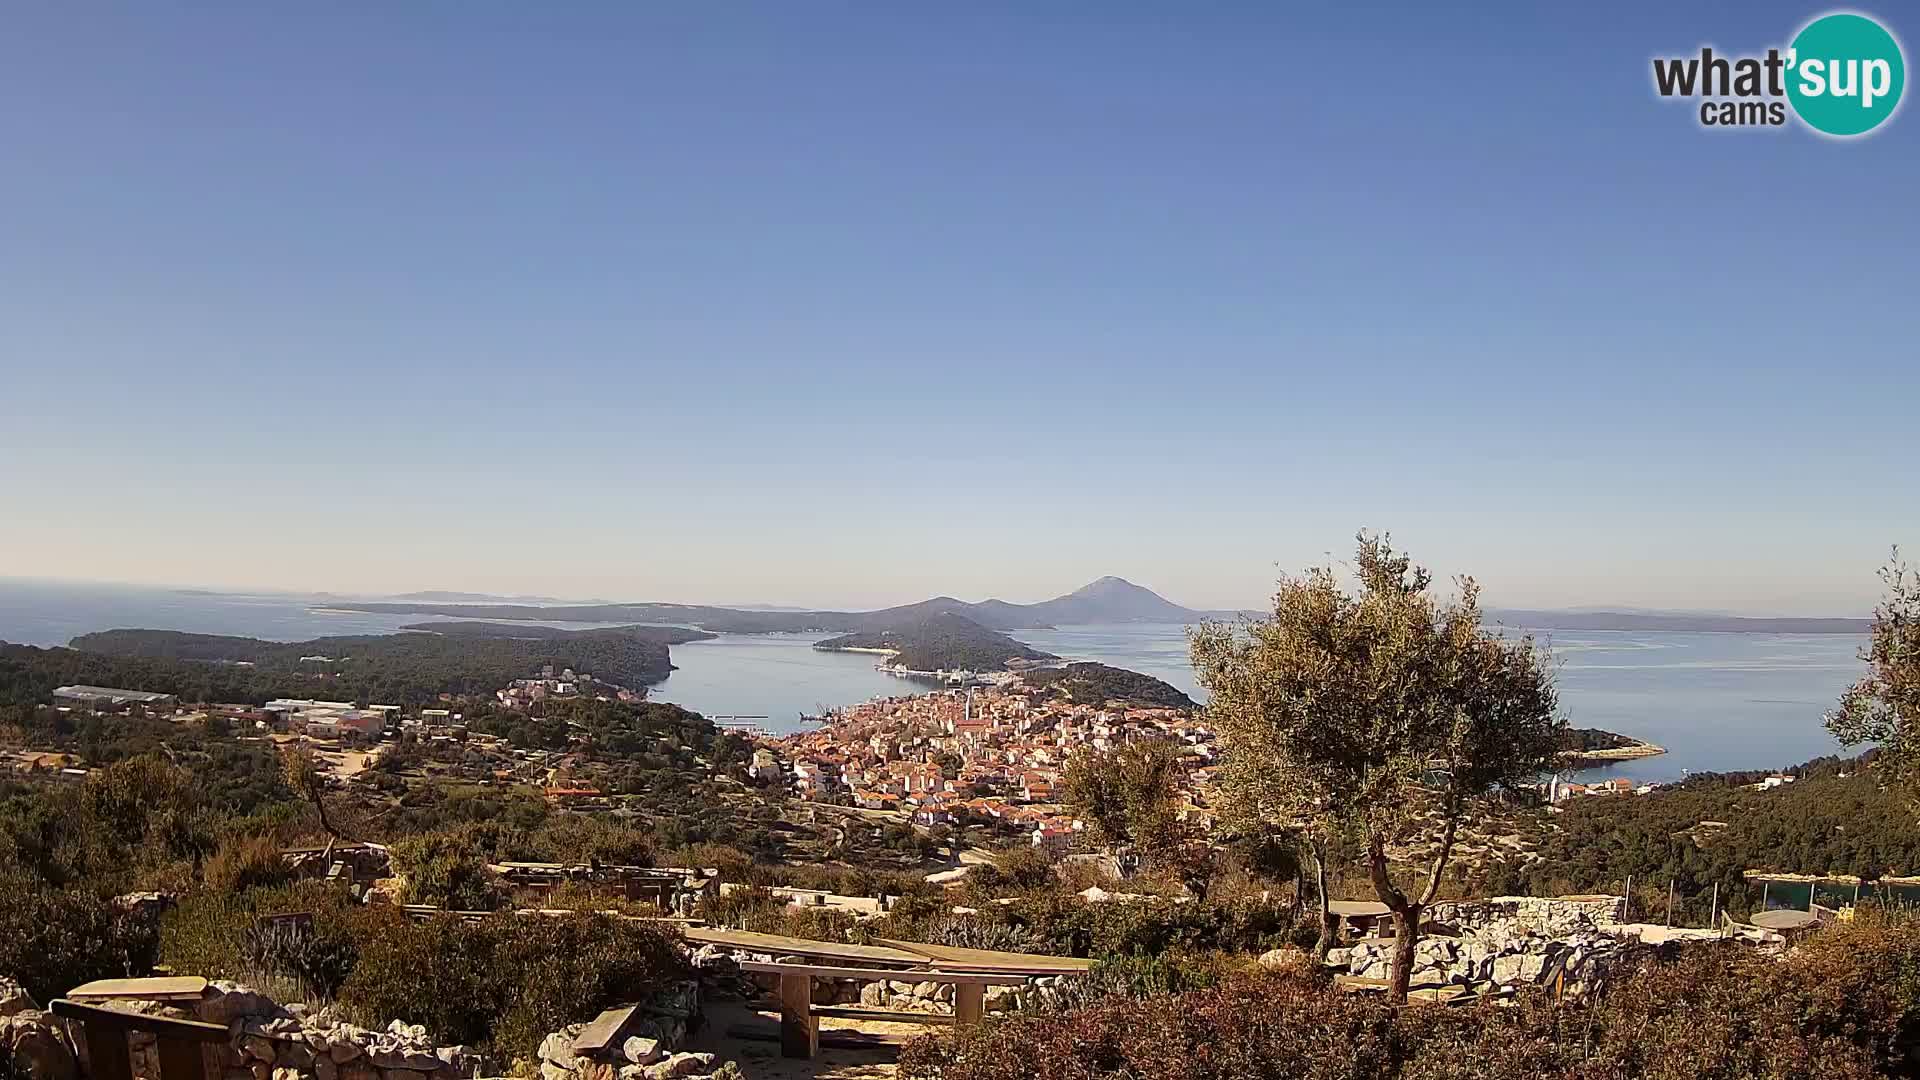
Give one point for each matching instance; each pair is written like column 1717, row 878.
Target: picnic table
column 1784, row 919
column 800, row 1020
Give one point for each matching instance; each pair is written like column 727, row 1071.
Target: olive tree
column 1884, row 707
column 1128, row 796
column 1378, row 716
column 301, row 769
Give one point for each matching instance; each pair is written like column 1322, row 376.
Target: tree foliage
column 1127, row 795
column 1884, row 706
column 1377, row 715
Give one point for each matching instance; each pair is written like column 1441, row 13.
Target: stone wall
column 644, row 1048
column 719, row 970
column 266, row 1041
column 1504, row 943
column 1547, row 915
column 38, row 1043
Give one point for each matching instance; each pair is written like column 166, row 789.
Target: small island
column 1593, row 746
column 1087, row 683
column 945, row 642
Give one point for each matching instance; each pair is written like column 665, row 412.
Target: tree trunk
column 1406, row 936
column 1329, row 924
column 1406, row 916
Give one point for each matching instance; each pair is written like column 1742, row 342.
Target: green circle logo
column 1845, row 74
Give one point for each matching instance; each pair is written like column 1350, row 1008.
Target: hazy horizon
column 540, row 599
column 852, row 307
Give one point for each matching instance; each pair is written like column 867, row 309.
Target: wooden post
column 182, row 1060
column 1713, row 919
column 969, row 1003
column 799, row 1028
column 107, row 1055
column 1669, row 901
column 1764, row 886
column 1626, row 904
column 180, row 1042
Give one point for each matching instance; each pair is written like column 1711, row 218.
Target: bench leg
column 799, row 1028
column 108, row 1055
column 969, row 1003
column 182, row 1060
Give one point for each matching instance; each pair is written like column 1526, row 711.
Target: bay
column 1716, row 701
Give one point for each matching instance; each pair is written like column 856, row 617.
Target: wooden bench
column 800, row 1021
column 181, row 1046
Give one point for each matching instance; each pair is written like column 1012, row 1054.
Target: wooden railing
column 182, row 1043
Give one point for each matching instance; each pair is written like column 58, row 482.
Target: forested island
column 947, row 642
column 407, row 668
column 1088, row 683
column 1597, row 747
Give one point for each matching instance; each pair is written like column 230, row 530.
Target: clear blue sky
column 849, row 304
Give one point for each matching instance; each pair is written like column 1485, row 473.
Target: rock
column 553, row 1071
column 1338, row 957
column 343, row 1052
column 257, row 1048
column 324, row 1068
column 944, row 993
column 874, row 994
column 40, row 1051
column 1506, row 969
column 641, row 1051
column 294, row 1055
column 924, row 990
column 225, row 1002
column 14, row 999
column 1286, row 960
column 1000, row 998
column 286, row 1073
column 557, row 1046
column 262, row 1070
column 679, row 1065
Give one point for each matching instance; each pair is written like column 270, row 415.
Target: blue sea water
column 1715, row 701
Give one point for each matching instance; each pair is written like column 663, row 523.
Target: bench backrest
column 874, row 974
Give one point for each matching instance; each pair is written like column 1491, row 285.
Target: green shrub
column 246, row 862
column 52, row 940
column 507, row 980
column 1844, row 1006
column 218, row 935
column 447, row 870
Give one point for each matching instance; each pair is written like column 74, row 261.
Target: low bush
column 507, row 980
column 221, row 936
column 1846, row 1006
column 54, row 939
column 447, row 870
column 246, row 862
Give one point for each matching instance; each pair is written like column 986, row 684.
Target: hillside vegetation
column 941, row 642
column 398, row 668
column 1097, row 684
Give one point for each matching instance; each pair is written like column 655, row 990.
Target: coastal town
column 984, row 755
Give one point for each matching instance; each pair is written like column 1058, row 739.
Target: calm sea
column 1715, row 701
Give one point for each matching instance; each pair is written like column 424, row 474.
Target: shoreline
column 1614, row 756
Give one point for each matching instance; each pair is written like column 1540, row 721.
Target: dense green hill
column 1097, row 684
column 946, row 641
column 397, row 668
